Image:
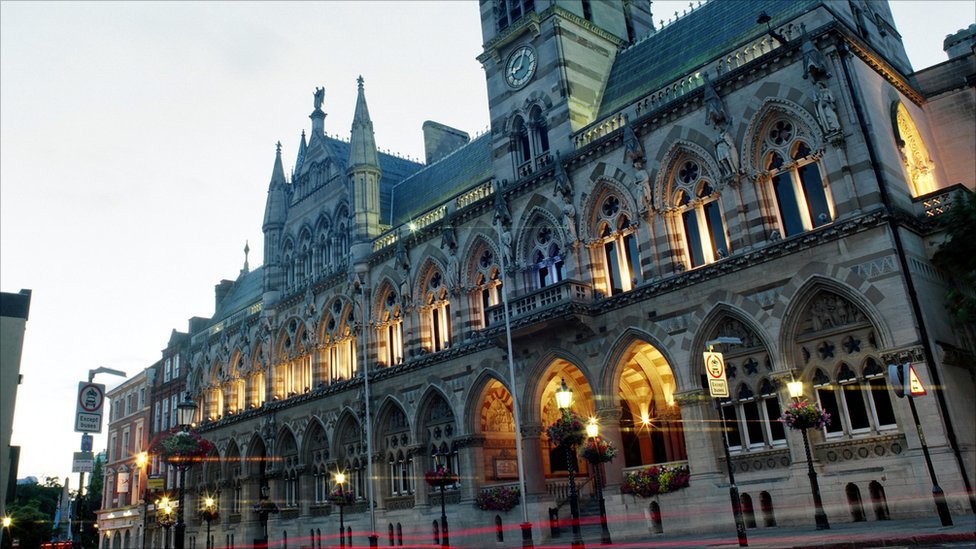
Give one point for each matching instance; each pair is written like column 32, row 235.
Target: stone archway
column 555, row 460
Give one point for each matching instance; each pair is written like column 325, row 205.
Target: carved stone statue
column 728, row 157
column 814, row 62
column 633, row 150
column 564, row 186
column 715, row 114
column 826, row 108
column 319, row 98
column 502, row 213
column 448, row 236
column 646, row 190
column 569, row 219
column 505, row 234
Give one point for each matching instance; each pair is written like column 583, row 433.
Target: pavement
column 890, row 533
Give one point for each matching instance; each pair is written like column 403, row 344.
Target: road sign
column 912, row 383
column 83, row 462
column 86, row 442
column 88, row 416
column 156, row 482
column 896, row 377
column 718, row 386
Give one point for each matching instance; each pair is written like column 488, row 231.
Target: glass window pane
column 814, row 191
column 732, row 427
column 754, row 423
column 630, row 247
column 558, row 267
column 856, row 410
column 776, row 430
column 828, row 401
column 693, row 238
column 613, row 267
column 789, row 211
column 882, row 402
column 716, row 230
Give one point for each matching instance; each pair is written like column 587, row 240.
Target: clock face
column 520, row 67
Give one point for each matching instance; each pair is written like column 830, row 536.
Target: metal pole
column 342, row 526
column 81, row 501
column 145, row 515
column 819, row 514
column 937, row 493
column 373, row 537
column 526, row 526
column 445, row 542
column 740, row 526
column 604, row 527
column 573, row 498
column 179, row 539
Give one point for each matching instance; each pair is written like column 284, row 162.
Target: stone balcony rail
column 567, row 291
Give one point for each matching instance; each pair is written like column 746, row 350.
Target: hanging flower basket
column 598, row 450
column 567, row 430
column 441, row 477
column 803, row 415
column 342, row 497
column 265, row 507
column 178, row 447
column 209, row 515
column 502, row 498
column 655, row 480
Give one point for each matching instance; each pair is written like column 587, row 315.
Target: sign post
column 88, row 415
column 718, row 385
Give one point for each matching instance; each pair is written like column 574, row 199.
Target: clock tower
column 546, row 64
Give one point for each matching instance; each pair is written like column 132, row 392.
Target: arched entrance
column 650, row 420
column 555, row 460
column 496, row 422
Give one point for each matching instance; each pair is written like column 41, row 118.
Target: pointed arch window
column 389, row 330
column 546, row 257
column 487, row 286
column 530, row 141
column 702, row 222
column 340, row 344
column 858, row 404
column 800, row 192
column 617, row 247
column 437, row 314
column 508, row 12
column 540, row 130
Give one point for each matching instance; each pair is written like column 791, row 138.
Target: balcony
column 934, row 205
column 537, row 309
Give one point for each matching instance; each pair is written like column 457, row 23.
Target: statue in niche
column 564, row 188
column 633, row 150
column 646, row 189
column 319, row 98
column 505, row 234
column 502, row 213
column 814, row 62
column 453, row 273
column 448, row 235
column 826, row 108
column 728, row 157
column 715, row 114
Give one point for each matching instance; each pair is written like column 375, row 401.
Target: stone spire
column 247, row 249
column 301, row 156
column 318, row 115
column 362, row 141
column 275, row 215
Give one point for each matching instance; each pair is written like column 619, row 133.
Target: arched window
column 436, row 313
column 859, row 404
column 508, row 12
column 439, row 427
column 486, row 286
column 915, row 157
column 389, row 328
column 701, row 215
column 801, row 195
column 339, row 343
column 288, row 452
column 540, row 131
column 618, row 247
column 752, row 417
column 530, row 141
column 546, row 257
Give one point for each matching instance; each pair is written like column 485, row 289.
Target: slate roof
column 463, row 168
column 395, row 170
column 693, row 40
column 246, row 291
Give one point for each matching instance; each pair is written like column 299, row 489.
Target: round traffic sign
column 714, row 365
column 90, row 398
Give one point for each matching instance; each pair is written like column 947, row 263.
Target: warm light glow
column 209, row 502
column 795, row 388
column 564, row 396
column 646, row 420
column 412, row 226
column 592, row 428
column 340, row 478
column 142, row 458
column 6, row 522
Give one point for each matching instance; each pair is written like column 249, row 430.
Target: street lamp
column 142, row 460
column 209, row 513
column 340, row 479
column 593, row 431
column 564, row 399
column 164, row 516
column 795, row 388
column 185, row 411
column 7, row 521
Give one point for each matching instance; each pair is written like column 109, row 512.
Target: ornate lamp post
column 340, row 499
column 440, row 477
column 593, row 432
column 164, row 516
column 7, row 521
column 185, row 411
column 209, row 513
column 796, row 391
column 142, row 460
column 564, row 399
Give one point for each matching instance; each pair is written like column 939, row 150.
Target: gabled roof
column 394, row 169
column 690, row 42
column 465, row 167
column 247, row 290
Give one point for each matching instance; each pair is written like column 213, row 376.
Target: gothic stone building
column 643, row 189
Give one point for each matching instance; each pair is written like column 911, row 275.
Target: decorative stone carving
column 498, row 418
column 715, row 113
column 633, row 150
column 728, row 157
column 829, row 310
column 826, row 108
column 814, row 62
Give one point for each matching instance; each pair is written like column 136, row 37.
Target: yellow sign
column 718, row 387
column 915, row 387
column 156, row 482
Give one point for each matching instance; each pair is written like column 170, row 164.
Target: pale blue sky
column 137, row 140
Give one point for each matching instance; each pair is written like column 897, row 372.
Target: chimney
column 221, row 290
column 441, row 140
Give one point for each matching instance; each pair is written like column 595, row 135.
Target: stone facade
column 642, row 192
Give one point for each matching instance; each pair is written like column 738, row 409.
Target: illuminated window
column 339, row 343
column 486, row 287
column 618, row 247
column 546, row 257
column 436, row 314
column 801, row 196
column 914, row 155
column 389, row 330
column 701, row 216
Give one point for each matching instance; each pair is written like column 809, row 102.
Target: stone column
column 472, row 457
column 609, row 419
column 702, row 443
column 421, row 501
column 535, row 476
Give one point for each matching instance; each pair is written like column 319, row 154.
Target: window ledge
column 866, row 447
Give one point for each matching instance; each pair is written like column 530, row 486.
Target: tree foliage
column 32, row 511
column 956, row 257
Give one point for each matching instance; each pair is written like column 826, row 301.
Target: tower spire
column 362, row 139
